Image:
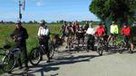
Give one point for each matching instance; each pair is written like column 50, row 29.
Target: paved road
column 84, row 64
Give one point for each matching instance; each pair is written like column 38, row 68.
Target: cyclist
column 70, row 34
column 80, row 34
column 90, row 37
column 114, row 31
column 100, row 31
column 126, row 32
column 20, row 35
column 74, row 24
column 44, row 36
column 86, row 26
column 64, row 30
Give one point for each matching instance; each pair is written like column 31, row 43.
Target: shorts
column 127, row 39
column 114, row 34
column 80, row 35
column 65, row 34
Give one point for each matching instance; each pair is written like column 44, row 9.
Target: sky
column 50, row 10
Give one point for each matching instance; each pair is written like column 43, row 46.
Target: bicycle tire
column 122, row 47
column 9, row 63
column 100, row 49
column 35, row 56
column 52, row 50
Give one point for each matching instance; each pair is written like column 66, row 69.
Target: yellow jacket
column 114, row 29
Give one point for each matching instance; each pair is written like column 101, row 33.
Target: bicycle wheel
column 99, row 49
column 35, row 56
column 52, row 50
column 122, row 46
column 9, row 63
column 2, row 54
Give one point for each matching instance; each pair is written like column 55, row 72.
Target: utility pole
column 20, row 13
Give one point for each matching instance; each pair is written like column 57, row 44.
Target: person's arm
column 13, row 34
column 111, row 29
column 122, row 30
column 39, row 32
column 117, row 29
column 25, row 34
column 103, row 31
column 96, row 32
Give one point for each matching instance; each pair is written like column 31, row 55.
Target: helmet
column 18, row 22
column 42, row 22
column 113, row 22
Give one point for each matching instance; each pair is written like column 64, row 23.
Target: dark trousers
column 45, row 41
column 25, row 57
column 90, row 42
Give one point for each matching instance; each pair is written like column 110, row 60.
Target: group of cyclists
column 70, row 32
column 76, row 31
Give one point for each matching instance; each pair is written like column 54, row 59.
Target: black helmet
column 42, row 22
column 124, row 24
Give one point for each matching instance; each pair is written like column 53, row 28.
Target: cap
column 18, row 22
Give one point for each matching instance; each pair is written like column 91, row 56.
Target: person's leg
column 131, row 45
column 83, row 40
column 25, row 57
column 109, row 38
column 88, row 42
column 47, row 48
column 93, row 42
column 19, row 63
column 68, row 38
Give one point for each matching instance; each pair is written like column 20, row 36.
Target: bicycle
column 126, row 45
column 101, row 45
column 37, row 53
column 90, row 42
column 70, row 43
column 118, row 44
column 57, row 41
column 11, row 57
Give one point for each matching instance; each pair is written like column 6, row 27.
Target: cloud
column 39, row 3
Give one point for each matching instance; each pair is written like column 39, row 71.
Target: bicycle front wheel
column 52, row 50
column 35, row 56
column 9, row 63
column 100, row 49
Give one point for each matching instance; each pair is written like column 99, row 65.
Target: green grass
column 32, row 29
column 7, row 29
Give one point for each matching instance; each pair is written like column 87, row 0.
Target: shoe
column 48, row 61
column 131, row 52
column 9, row 72
column 26, row 68
column 20, row 67
column 66, row 47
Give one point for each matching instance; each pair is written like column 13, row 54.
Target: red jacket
column 126, row 31
column 100, row 31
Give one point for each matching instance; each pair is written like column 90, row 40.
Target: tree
column 117, row 10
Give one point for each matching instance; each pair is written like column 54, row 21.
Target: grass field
column 7, row 29
column 32, row 41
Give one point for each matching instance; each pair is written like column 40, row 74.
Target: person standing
column 20, row 35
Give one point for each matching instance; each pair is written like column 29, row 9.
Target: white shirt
column 90, row 30
column 42, row 31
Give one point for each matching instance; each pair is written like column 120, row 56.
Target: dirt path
column 83, row 64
